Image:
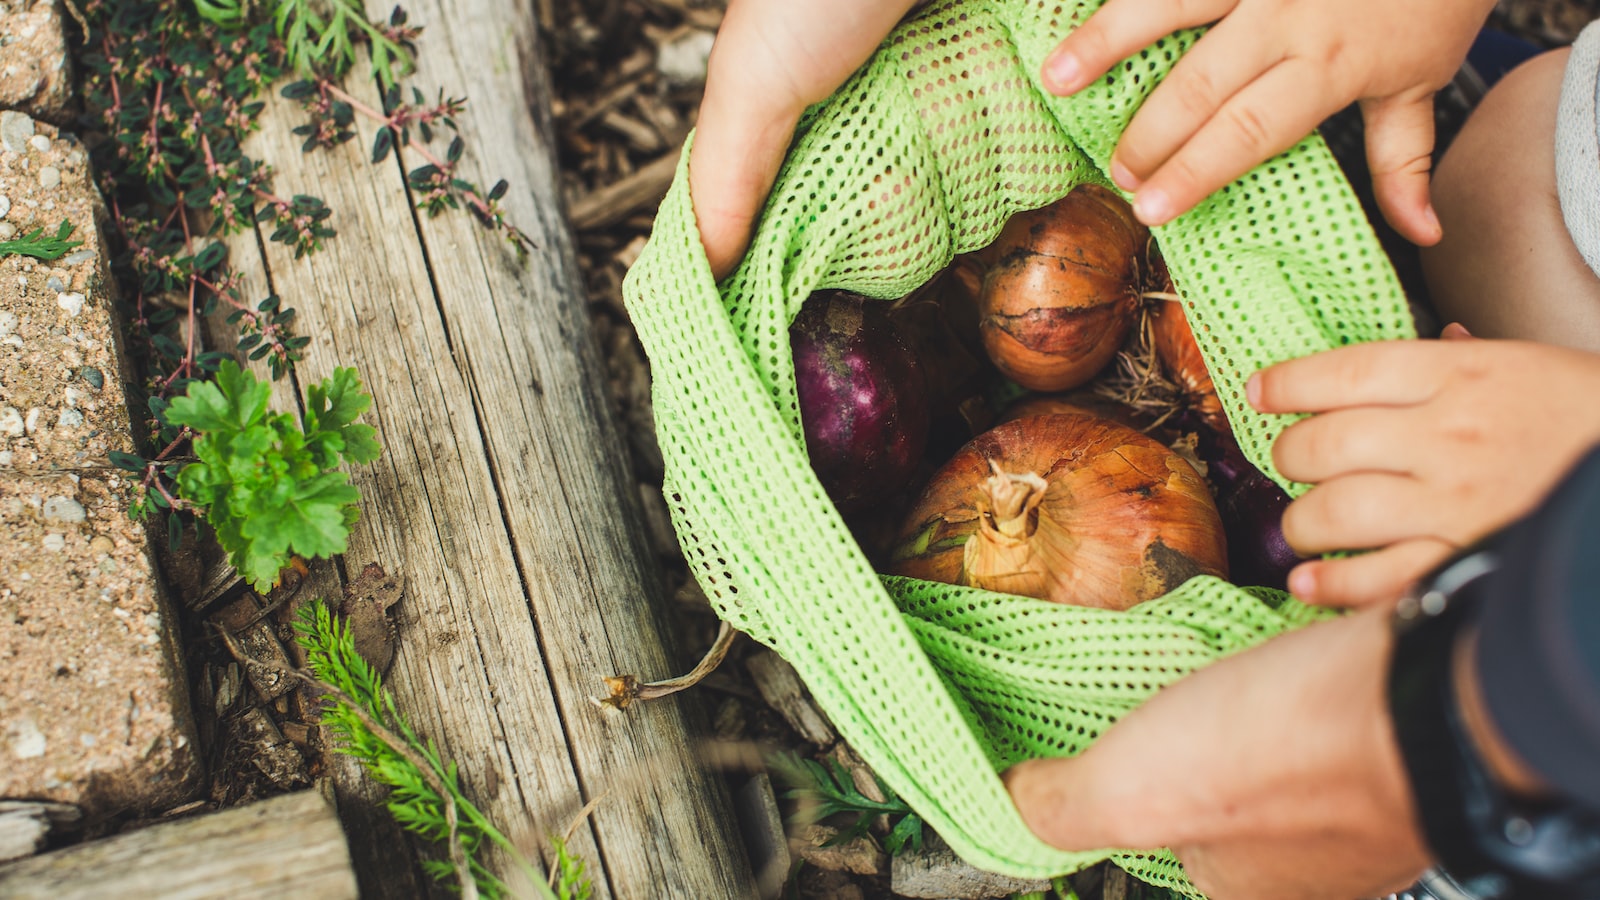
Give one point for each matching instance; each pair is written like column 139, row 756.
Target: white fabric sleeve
column 1578, row 146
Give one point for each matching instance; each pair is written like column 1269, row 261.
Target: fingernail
column 1122, row 177
column 1252, row 391
column 1062, row 71
column 1152, row 207
column 1303, row 582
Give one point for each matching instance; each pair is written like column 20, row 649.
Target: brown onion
column 1083, row 402
column 1058, row 291
column 1068, row 507
column 1184, row 365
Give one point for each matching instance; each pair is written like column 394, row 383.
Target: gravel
column 15, row 130
column 64, row 509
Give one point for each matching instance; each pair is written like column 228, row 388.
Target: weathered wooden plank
column 468, row 672
column 521, row 338
column 289, row 846
column 383, row 854
column 25, row 824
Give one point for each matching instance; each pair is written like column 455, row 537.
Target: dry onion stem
column 1136, row 381
column 1001, row 558
column 626, row 688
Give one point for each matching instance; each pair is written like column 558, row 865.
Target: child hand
column 772, row 59
column 1418, row 448
column 1265, row 76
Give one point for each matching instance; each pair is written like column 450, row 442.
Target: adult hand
column 1418, row 448
column 1273, row 774
column 772, row 59
column 1264, row 77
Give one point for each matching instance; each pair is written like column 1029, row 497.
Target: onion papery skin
column 1184, row 365
column 1111, row 518
column 1083, row 403
column 863, row 398
column 1059, row 289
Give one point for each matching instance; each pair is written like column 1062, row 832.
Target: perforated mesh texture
column 923, row 154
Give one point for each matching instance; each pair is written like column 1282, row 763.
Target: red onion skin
column 958, row 409
column 1251, row 505
column 863, row 398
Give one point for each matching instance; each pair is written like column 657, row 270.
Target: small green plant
column 39, row 246
column 427, row 797
column 829, row 790
column 570, row 880
column 269, row 485
column 320, row 36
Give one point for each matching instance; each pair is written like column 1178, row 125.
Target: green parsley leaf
column 270, row 486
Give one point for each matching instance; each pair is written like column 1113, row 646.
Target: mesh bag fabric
column 923, row 154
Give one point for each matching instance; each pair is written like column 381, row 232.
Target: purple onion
column 863, row 398
column 1251, row 505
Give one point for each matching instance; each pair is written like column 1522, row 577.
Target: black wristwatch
column 1490, row 845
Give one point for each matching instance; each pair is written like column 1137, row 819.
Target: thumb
column 1400, row 157
column 732, row 166
column 739, row 146
column 1060, row 801
column 1111, row 796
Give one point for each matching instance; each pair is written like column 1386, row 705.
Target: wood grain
column 289, row 846
column 521, row 337
column 502, row 496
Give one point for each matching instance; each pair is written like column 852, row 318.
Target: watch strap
column 1494, row 846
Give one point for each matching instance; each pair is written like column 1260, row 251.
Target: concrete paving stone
column 63, row 403
column 94, row 708
column 35, row 72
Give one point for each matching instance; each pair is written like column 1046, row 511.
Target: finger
column 1378, row 373
column 1107, row 796
column 1378, row 577
column 1400, row 157
column 1346, row 441
column 740, row 140
column 1228, row 58
column 1118, row 30
column 1053, row 797
column 1268, row 116
column 1455, row 331
column 1359, row 512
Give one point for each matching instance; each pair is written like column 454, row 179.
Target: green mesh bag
column 924, row 154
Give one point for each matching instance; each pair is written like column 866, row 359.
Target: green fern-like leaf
column 320, row 36
column 413, row 801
